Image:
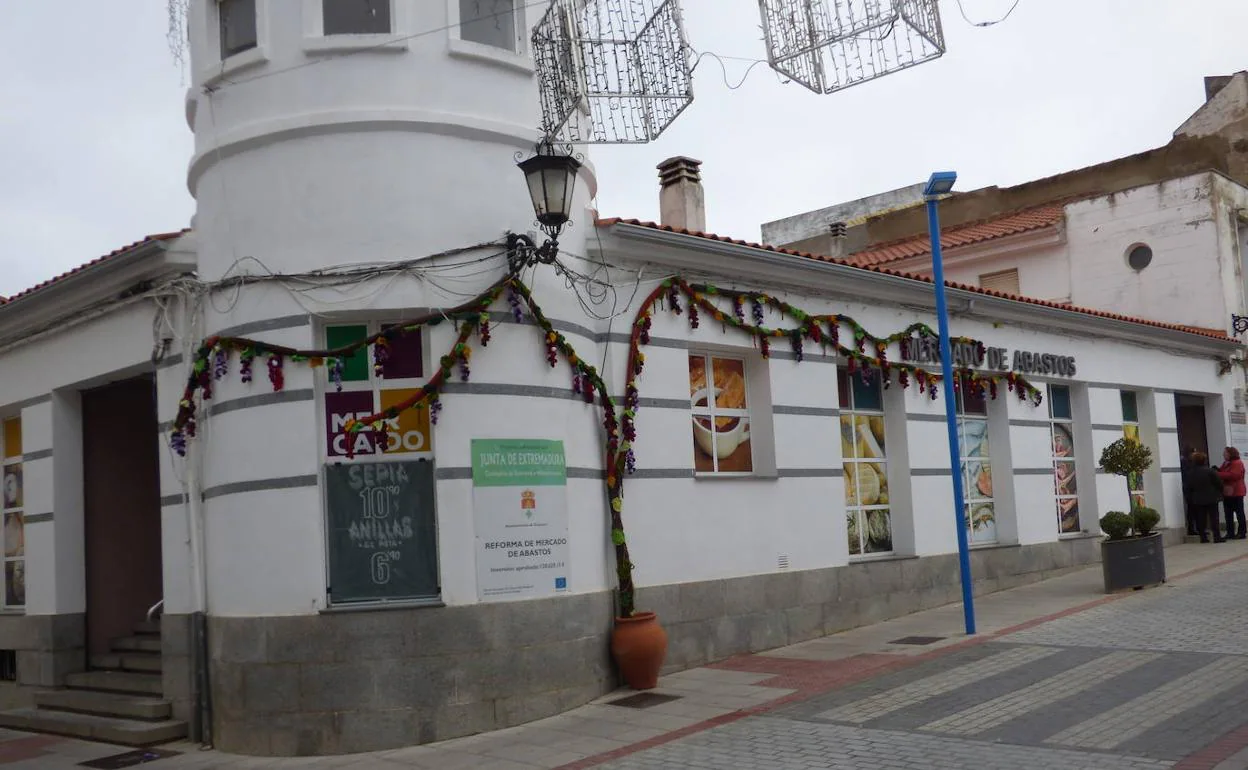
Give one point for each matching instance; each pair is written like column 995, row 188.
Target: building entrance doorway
column 1193, row 429
column 121, row 491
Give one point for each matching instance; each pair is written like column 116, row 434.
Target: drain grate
column 643, row 700
column 129, row 759
column 918, row 640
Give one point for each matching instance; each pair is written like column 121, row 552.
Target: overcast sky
column 94, row 144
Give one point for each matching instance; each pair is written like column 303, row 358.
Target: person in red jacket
column 1233, row 490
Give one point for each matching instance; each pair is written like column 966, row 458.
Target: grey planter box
column 1136, row 562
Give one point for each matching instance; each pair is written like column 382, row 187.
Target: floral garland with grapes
column 212, row 360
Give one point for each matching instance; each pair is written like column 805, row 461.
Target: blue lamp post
column 940, row 183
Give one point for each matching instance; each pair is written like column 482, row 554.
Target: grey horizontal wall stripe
column 817, row 358
column 925, row 417
column 164, row 426
column 1029, row 423
column 35, row 518
column 36, row 401
column 505, row 317
column 171, row 500
column 39, row 455
column 662, row 403
column 1171, row 470
column 1126, row 386
column 1033, row 471
column 168, row 362
column 267, row 325
column 930, row 472
column 1107, row 426
column 1167, row 430
column 810, row 473
column 260, row 485
column 809, row 411
column 509, row 389
column 260, row 399
column 662, row 473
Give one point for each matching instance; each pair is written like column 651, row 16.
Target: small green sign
column 513, row 462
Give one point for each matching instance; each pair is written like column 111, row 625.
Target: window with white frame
column 864, row 460
column 721, row 419
column 979, row 515
column 14, row 510
column 356, row 17
column 368, row 389
column 1131, row 431
column 236, row 22
column 1062, row 448
column 489, row 22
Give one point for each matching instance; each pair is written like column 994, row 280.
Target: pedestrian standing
column 1185, row 464
column 1232, row 474
column 1203, row 487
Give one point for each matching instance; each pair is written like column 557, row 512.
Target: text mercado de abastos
column 926, row 350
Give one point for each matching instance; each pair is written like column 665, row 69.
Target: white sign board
column 520, row 509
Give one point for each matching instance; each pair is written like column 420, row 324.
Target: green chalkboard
column 382, row 531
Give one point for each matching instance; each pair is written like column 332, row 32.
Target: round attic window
column 1139, row 257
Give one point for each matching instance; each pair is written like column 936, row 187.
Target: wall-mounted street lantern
column 551, row 178
column 1239, row 323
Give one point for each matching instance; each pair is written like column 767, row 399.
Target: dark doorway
column 121, row 489
column 1193, row 430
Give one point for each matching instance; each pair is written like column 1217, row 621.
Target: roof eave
column 145, row 262
column 689, row 252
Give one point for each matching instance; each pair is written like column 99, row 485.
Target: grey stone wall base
column 49, row 647
column 176, row 670
column 365, row 681
column 712, row 620
column 340, row 683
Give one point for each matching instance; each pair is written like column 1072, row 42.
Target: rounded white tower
column 362, row 133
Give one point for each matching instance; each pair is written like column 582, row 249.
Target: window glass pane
column 869, row 394
column 978, row 480
column 855, row 539
column 849, row 441
column 355, row 367
column 13, row 492
column 1130, row 412
column 732, row 445
column 1068, row 514
column 238, row 26
column 1064, row 478
column 729, row 381
column 1063, row 441
column 12, row 438
column 982, row 522
column 489, row 22
column 970, row 402
column 406, row 359
column 879, row 531
column 842, row 387
column 14, row 534
column 1059, row 402
column 359, row 17
column 15, row 583
column 974, row 437
column 703, row 444
column 697, row 381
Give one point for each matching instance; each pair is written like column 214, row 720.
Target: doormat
column 918, row 640
column 129, row 759
column 643, row 700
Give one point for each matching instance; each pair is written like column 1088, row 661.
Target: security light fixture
column 940, row 183
column 551, row 177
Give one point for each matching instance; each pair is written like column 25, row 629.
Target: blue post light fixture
column 941, row 183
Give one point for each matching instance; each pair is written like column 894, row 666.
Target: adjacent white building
column 304, row 599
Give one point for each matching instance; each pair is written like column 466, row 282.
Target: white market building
column 285, row 640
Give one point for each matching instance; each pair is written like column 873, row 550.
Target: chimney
column 682, row 202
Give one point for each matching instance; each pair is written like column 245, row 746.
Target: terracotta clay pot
column 639, row 645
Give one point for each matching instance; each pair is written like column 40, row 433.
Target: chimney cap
column 678, row 168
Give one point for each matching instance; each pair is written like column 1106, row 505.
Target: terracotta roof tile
column 98, row 260
column 1064, row 306
column 963, row 235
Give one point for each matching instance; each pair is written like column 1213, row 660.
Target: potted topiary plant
column 1131, row 554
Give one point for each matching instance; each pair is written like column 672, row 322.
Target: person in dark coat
column 1185, row 463
column 1202, row 486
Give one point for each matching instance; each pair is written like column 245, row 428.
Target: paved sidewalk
column 1060, row 676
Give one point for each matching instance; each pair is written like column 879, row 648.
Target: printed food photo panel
column 720, row 421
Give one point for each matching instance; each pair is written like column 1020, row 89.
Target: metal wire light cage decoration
column 611, row 71
column 829, row 45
